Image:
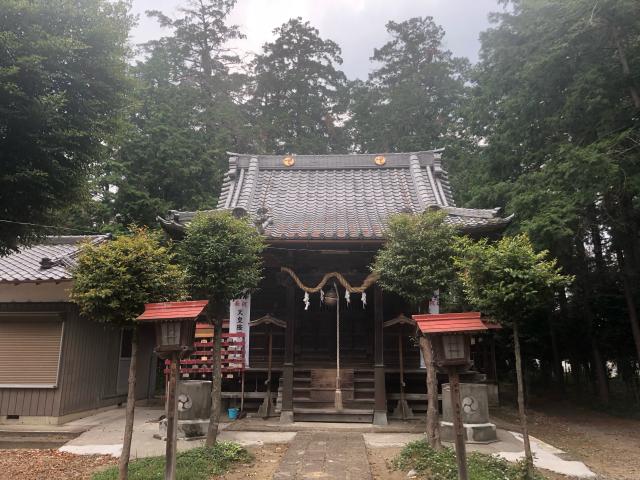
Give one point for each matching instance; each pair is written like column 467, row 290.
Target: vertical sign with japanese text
column 434, row 307
column 239, row 317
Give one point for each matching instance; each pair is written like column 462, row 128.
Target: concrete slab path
column 325, row 455
column 107, row 429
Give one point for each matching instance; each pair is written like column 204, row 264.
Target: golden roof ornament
column 380, row 160
column 288, row 161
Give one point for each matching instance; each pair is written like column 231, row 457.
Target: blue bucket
column 233, row 413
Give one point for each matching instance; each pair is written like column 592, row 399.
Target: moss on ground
column 196, row 464
column 441, row 465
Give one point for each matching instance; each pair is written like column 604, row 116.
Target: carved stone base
column 473, row 432
column 286, row 417
column 380, row 419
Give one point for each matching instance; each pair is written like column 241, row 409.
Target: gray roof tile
column 336, row 197
column 50, row 260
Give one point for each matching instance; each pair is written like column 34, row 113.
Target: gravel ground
column 27, row 464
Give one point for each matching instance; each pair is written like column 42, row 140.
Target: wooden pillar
column 380, row 407
column 172, row 418
column 461, row 452
column 286, row 414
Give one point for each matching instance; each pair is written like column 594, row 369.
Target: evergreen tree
column 298, row 97
column 556, row 104
column 63, row 79
column 411, row 101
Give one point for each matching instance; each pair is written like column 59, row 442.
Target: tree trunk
column 558, row 371
column 632, row 311
column 216, row 384
column 633, row 90
column 521, row 407
column 597, row 362
column 433, row 423
column 123, row 462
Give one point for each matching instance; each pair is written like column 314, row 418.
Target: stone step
column 348, row 415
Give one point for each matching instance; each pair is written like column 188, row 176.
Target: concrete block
column 194, row 399
column 187, row 429
column 472, row 432
column 474, row 402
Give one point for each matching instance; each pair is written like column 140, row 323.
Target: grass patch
column 434, row 465
column 199, row 463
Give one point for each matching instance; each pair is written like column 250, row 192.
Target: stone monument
column 194, row 406
column 475, row 414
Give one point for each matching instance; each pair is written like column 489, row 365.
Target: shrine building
column 324, row 218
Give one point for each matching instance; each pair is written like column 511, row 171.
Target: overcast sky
column 356, row 25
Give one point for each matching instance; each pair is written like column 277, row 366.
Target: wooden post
column 338, row 395
column 461, row 453
column 172, row 410
column 265, row 408
column 380, row 406
column 402, row 409
column 286, row 415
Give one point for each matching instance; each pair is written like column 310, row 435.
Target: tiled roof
column 338, row 197
column 465, row 322
column 188, row 310
column 50, row 260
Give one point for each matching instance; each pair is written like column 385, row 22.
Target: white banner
column 434, row 307
column 239, row 317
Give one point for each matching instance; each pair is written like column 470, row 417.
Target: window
column 125, row 343
column 30, row 346
column 453, row 346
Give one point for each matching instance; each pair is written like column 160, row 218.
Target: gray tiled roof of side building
column 339, row 197
column 50, row 260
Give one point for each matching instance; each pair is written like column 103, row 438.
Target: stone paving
column 325, row 455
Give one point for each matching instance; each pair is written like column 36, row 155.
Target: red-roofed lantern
column 451, row 339
column 175, row 326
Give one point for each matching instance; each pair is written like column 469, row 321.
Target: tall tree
column 222, row 257
column 63, row 69
column 112, row 282
column 512, row 282
column 191, row 91
column 298, row 97
column 411, row 100
column 415, row 262
column 165, row 161
column 556, row 105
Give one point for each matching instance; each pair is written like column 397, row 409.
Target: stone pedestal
column 194, row 408
column 475, row 414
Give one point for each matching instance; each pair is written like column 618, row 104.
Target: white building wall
column 36, row 292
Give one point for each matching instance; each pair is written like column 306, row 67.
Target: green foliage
column 417, row 258
column 222, row 256
column 410, row 101
column 299, row 92
column 166, row 161
column 62, row 89
column 508, row 279
column 441, row 465
column 114, row 279
column 199, row 463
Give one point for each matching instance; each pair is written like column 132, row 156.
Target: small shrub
column 441, row 465
column 196, row 464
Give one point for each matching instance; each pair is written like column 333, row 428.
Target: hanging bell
column 331, row 298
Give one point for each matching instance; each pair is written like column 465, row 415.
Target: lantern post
column 451, row 339
column 175, row 326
